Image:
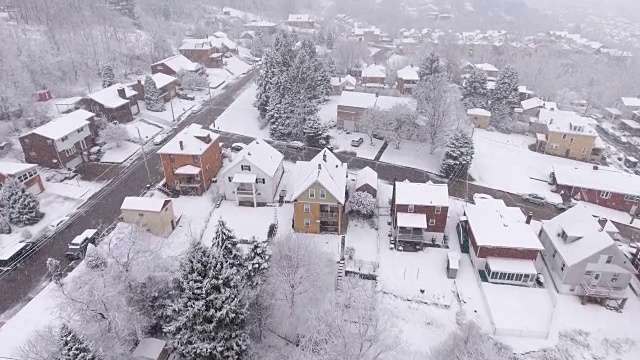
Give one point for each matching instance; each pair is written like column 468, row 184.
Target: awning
column 516, row 266
column 187, row 170
column 244, row 178
column 408, row 220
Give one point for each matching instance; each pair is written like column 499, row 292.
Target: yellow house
column 571, row 135
column 317, row 189
column 479, row 117
column 153, row 214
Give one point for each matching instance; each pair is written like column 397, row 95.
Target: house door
column 596, row 279
column 566, row 153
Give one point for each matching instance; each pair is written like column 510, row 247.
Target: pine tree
column 21, row 206
column 74, row 347
column 107, row 75
column 504, row 98
column 257, row 45
column 224, row 241
column 474, row 90
column 152, row 97
column 320, row 38
column 458, row 156
column 315, row 134
column 257, row 260
column 208, row 314
column 330, row 65
column 5, row 227
column 276, row 64
column 431, row 65
column 329, row 41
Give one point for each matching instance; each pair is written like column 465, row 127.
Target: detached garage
column 26, row 174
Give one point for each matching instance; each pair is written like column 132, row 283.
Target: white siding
column 73, row 138
column 266, row 191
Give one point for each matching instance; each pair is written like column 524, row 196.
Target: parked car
column 378, row 136
column 184, row 96
column 297, row 145
column 161, row 138
column 479, row 196
column 563, row 206
column 78, row 246
column 237, row 146
column 55, row 226
column 534, row 198
column 357, row 142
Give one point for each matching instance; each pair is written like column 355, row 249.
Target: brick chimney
column 324, row 155
column 529, row 217
column 181, row 145
column 122, row 93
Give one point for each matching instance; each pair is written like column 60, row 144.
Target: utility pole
column 144, row 157
column 172, row 115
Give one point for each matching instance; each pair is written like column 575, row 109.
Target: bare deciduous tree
column 114, row 133
column 348, row 53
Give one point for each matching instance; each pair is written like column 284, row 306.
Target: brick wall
column 509, row 253
column 348, row 113
column 210, row 162
column 616, row 201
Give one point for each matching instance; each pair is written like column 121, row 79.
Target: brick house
column 25, row 174
column 191, row 160
column 570, row 135
column 60, row 142
column 407, row 79
column 373, row 76
column 165, row 83
column 301, row 21
column 115, row 103
column 318, row 190
column 504, row 247
column 599, row 185
column 342, row 83
column 208, row 52
column 173, row 64
column 352, row 106
column 419, row 213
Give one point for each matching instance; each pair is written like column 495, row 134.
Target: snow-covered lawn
column 341, row 141
column 241, row 117
column 364, row 239
column 328, row 112
column 413, row 154
column 181, row 108
column 118, row 154
column 147, row 131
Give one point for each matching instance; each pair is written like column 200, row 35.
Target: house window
column 525, row 278
column 260, row 181
column 70, row 151
column 584, row 151
column 323, row 194
column 518, row 277
column 432, row 222
column 494, row 275
column 140, row 214
column 563, row 267
column 230, row 178
column 307, row 222
column 411, row 208
column 307, row 208
column 510, row 277
column 245, row 167
column 588, row 273
column 553, row 146
column 80, row 130
column 503, row 276
column 172, row 158
column 554, row 253
column 631, row 198
column 609, row 259
column 564, row 137
column 438, row 209
column 312, row 193
column 615, row 277
column 64, row 138
column 605, row 194
column 571, row 140
column 27, row 141
column 196, row 159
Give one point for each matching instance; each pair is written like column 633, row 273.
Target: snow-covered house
column 367, row 181
column 265, row 27
column 570, row 135
column 352, row 106
column 114, row 103
column 531, row 107
column 373, row 76
column 627, row 105
column 503, row 246
column 151, row 213
column 489, row 70
column 254, row 174
column 419, row 213
column 407, row 79
column 191, row 160
column 583, row 259
column 341, row 83
column 208, row 51
column 166, row 85
column 318, row 189
column 480, row 118
column 301, row 21
column 60, row 142
column 173, row 64
column 25, row 174
column 366, row 34
column 151, row 349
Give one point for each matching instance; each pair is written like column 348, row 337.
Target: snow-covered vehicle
column 563, row 206
column 55, row 226
column 534, row 198
column 357, row 142
column 237, row 146
column 479, row 196
column 78, row 246
column 161, row 138
column 184, row 96
column 297, row 145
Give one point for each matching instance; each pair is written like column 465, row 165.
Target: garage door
column 74, row 163
column 350, row 125
column 34, row 189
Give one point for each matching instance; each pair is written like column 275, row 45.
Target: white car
column 55, row 226
column 161, row 138
column 237, row 146
column 297, row 145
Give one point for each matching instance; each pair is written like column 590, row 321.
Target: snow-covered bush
column 21, row 207
column 362, row 204
column 192, row 81
column 458, row 155
column 26, row 234
column 5, row 227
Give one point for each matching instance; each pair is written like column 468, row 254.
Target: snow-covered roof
column 357, row 99
column 260, row 24
column 631, row 123
column 9, row 250
column 479, row 112
column 160, row 79
column 387, row 102
column 325, row 169
column 149, row 348
column 409, row 72
column 151, row 204
column 64, row 125
column 367, row 176
column 244, row 178
column 109, row 97
column 520, row 266
column 299, row 17
column 430, row 194
column 412, row 220
column 495, row 224
column 486, row 67
column 188, row 170
column 630, row 101
column 15, row 168
column 550, row 105
column 193, row 140
column 523, row 89
column 374, row 71
column 220, row 34
column 566, row 122
column 179, row 62
column 259, row 154
column 531, row 103
column 591, row 237
column 196, row 44
column 340, row 80
column 613, row 111
column 604, row 179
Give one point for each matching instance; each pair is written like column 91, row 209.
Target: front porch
column 329, row 219
column 245, row 188
column 188, row 180
column 410, row 230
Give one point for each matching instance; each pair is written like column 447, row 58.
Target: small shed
column 151, row 349
column 453, row 264
column 154, row 214
column 367, row 181
column 480, row 118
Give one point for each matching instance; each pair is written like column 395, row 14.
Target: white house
column 583, row 259
column 253, row 175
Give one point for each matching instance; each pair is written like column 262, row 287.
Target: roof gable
column 325, row 169
column 260, row 154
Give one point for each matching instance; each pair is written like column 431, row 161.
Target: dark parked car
column 357, row 142
column 185, row 96
column 78, row 246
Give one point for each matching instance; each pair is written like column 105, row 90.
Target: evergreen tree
column 5, row 227
column 107, row 76
column 320, row 37
column 224, row 241
column 431, row 65
column 504, row 99
column 74, row 347
column 458, row 155
column 208, row 314
column 332, row 68
column 21, row 207
column 315, row 134
column 152, row 98
column 329, row 41
column 257, row 45
column 257, row 260
column 474, row 90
